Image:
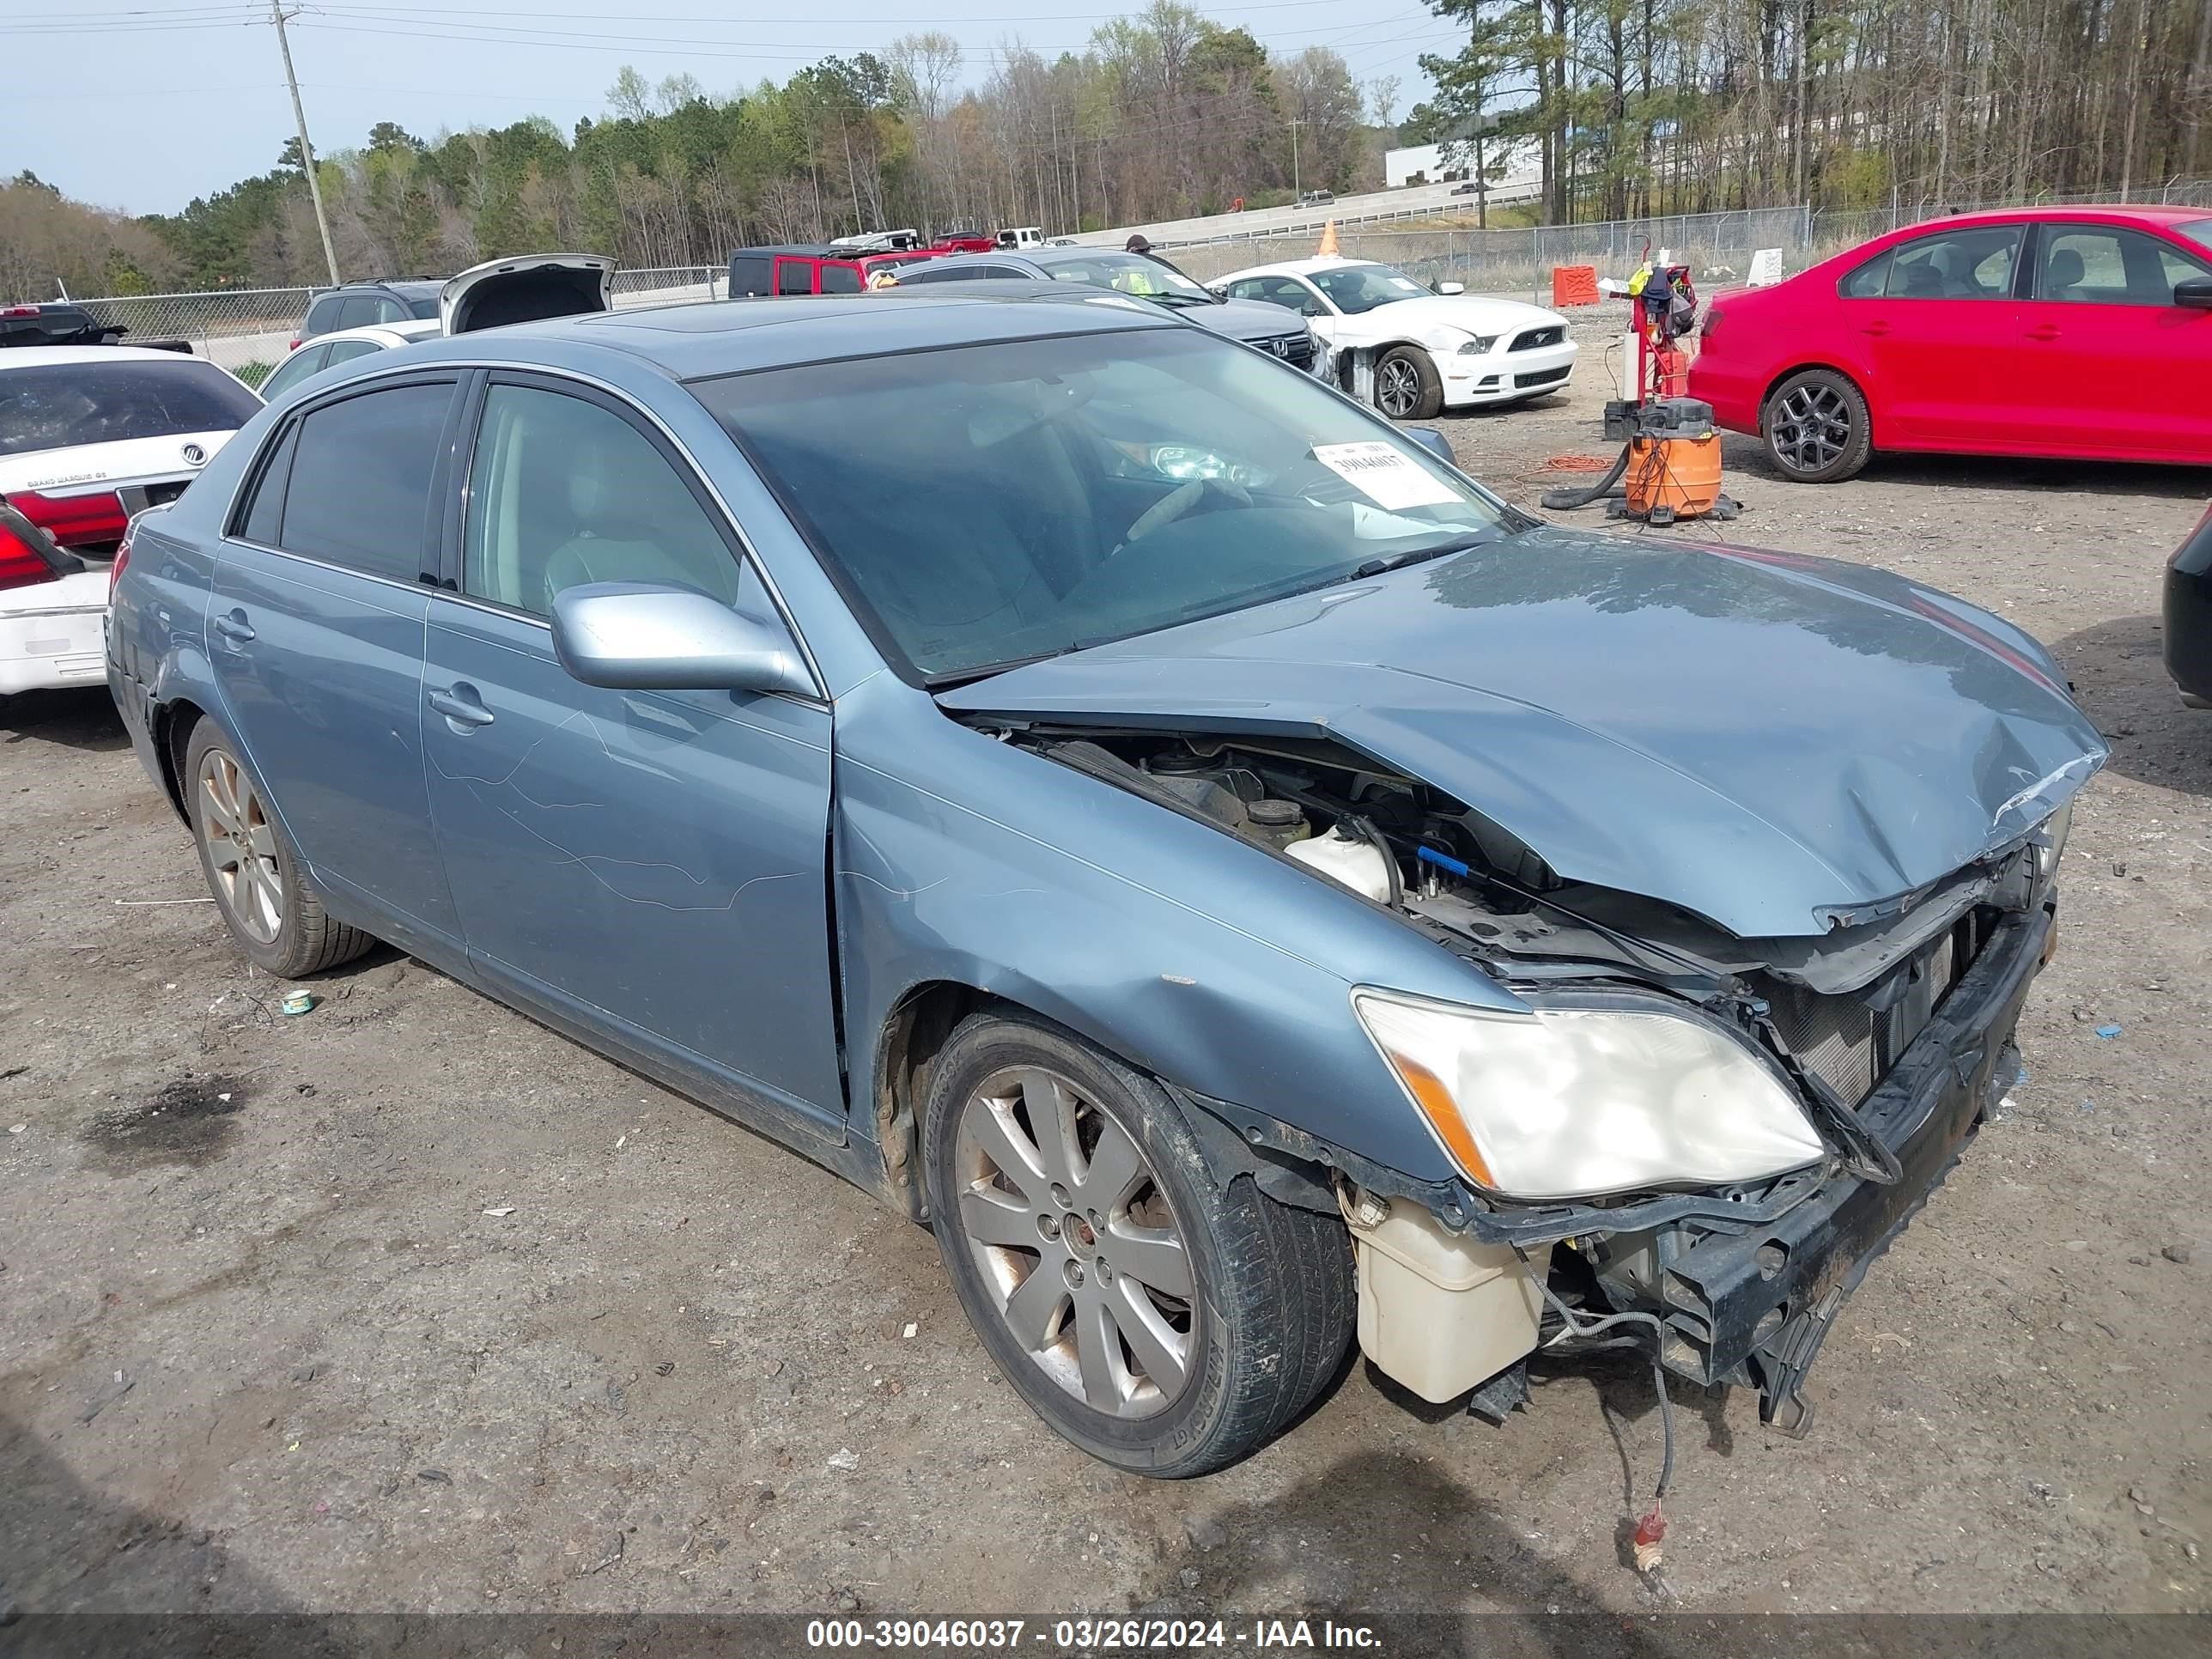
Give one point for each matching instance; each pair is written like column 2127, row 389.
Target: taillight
column 74, row 520
column 1705, row 329
column 20, row 564
column 19, row 311
column 295, row 343
column 122, row 558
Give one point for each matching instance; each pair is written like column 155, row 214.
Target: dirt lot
column 411, row 1304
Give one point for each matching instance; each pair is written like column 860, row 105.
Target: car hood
column 1768, row 740
column 1470, row 312
column 1250, row 321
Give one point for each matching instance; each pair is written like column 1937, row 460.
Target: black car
column 2188, row 631
column 360, row 305
column 1143, row 276
column 65, row 325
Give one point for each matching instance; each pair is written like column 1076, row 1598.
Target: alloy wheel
column 241, row 846
column 1397, row 388
column 1073, row 1233
column 1810, row 426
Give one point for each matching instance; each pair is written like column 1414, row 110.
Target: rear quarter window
column 64, row 405
column 749, row 276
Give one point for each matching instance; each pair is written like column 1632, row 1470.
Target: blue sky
column 142, row 105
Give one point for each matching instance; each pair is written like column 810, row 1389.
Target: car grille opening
column 1534, row 339
column 1542, row 377
column 1846, row 1040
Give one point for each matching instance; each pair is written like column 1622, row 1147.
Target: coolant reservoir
column 1361, row 866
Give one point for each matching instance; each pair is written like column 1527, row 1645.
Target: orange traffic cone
column 1328, row 241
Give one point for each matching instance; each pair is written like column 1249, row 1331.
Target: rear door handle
column 1877, row 329
column 461, row 707
column 2044, row 331
column 234, row 627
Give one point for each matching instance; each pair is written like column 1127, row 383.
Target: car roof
column 731, row 337
column 413, row 287
column 415, row 328
column 2146, row 213
column 31, row 356
column 1294, row 267
column 803, row 251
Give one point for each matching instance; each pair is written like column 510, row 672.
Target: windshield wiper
column 1381, row 562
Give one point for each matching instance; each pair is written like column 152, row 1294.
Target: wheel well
column 920, row 1023
column 173, row 735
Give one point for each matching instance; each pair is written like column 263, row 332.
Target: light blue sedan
column 1241, row 883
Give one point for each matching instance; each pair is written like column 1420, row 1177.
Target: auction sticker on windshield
column 1386, row 475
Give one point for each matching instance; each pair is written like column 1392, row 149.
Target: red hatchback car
column 2081, row 332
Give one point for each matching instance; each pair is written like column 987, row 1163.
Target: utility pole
column 1295, row 191
column 307, row 149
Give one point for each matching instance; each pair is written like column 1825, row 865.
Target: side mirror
column 1451, row 288
column 641, row 636
column 2196, row 293
column 1313, row 308
column 1432, row 441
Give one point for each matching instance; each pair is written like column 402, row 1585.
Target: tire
column 1406, row 385
column 1227, row 1313
column 272, row 909
column 1817, row 427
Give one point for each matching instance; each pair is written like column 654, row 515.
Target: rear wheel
column 1408, row 387
column 1817, row 427
column 1163, row 1325
column 272, row 909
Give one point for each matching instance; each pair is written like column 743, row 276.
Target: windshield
column 1129, row 273
column 1355, row 289
column 2198, row 231
column 1015, row 501
column 62, row 406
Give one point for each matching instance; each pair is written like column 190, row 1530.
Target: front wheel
column 1817, row 427
column 273, row 910
column 1408, row 387
column 1164, row 1325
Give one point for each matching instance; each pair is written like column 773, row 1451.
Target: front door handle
column 2044, row 331
column 463, row 709
column 1877, row 329
column 234, row 627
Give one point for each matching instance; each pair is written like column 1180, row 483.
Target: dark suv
column 358, row 305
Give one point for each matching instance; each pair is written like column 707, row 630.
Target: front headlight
column 2049, row 841
column 1478, row 345
column 1575, row 1103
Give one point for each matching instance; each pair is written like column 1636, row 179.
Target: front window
column 1017, row 500
column 1131, row 273
column 62, row 406
column 1355, row 289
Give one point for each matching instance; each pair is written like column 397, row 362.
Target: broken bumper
column 1753, row 1305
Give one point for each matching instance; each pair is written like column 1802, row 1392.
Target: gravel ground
column 410, row 1304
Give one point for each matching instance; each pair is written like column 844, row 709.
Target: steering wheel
column 1177, row 502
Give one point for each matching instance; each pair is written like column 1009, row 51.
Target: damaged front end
column 1713, row 1135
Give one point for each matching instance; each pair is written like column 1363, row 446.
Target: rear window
column 62, row 406
column 749, row 275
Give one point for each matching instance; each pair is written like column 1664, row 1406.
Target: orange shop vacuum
column 1670, row 465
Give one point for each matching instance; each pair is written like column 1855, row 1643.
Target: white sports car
column 1433, row 350
column 90, row 435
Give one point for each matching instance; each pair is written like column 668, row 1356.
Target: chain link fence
column 242, row 327
column 248, row 329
